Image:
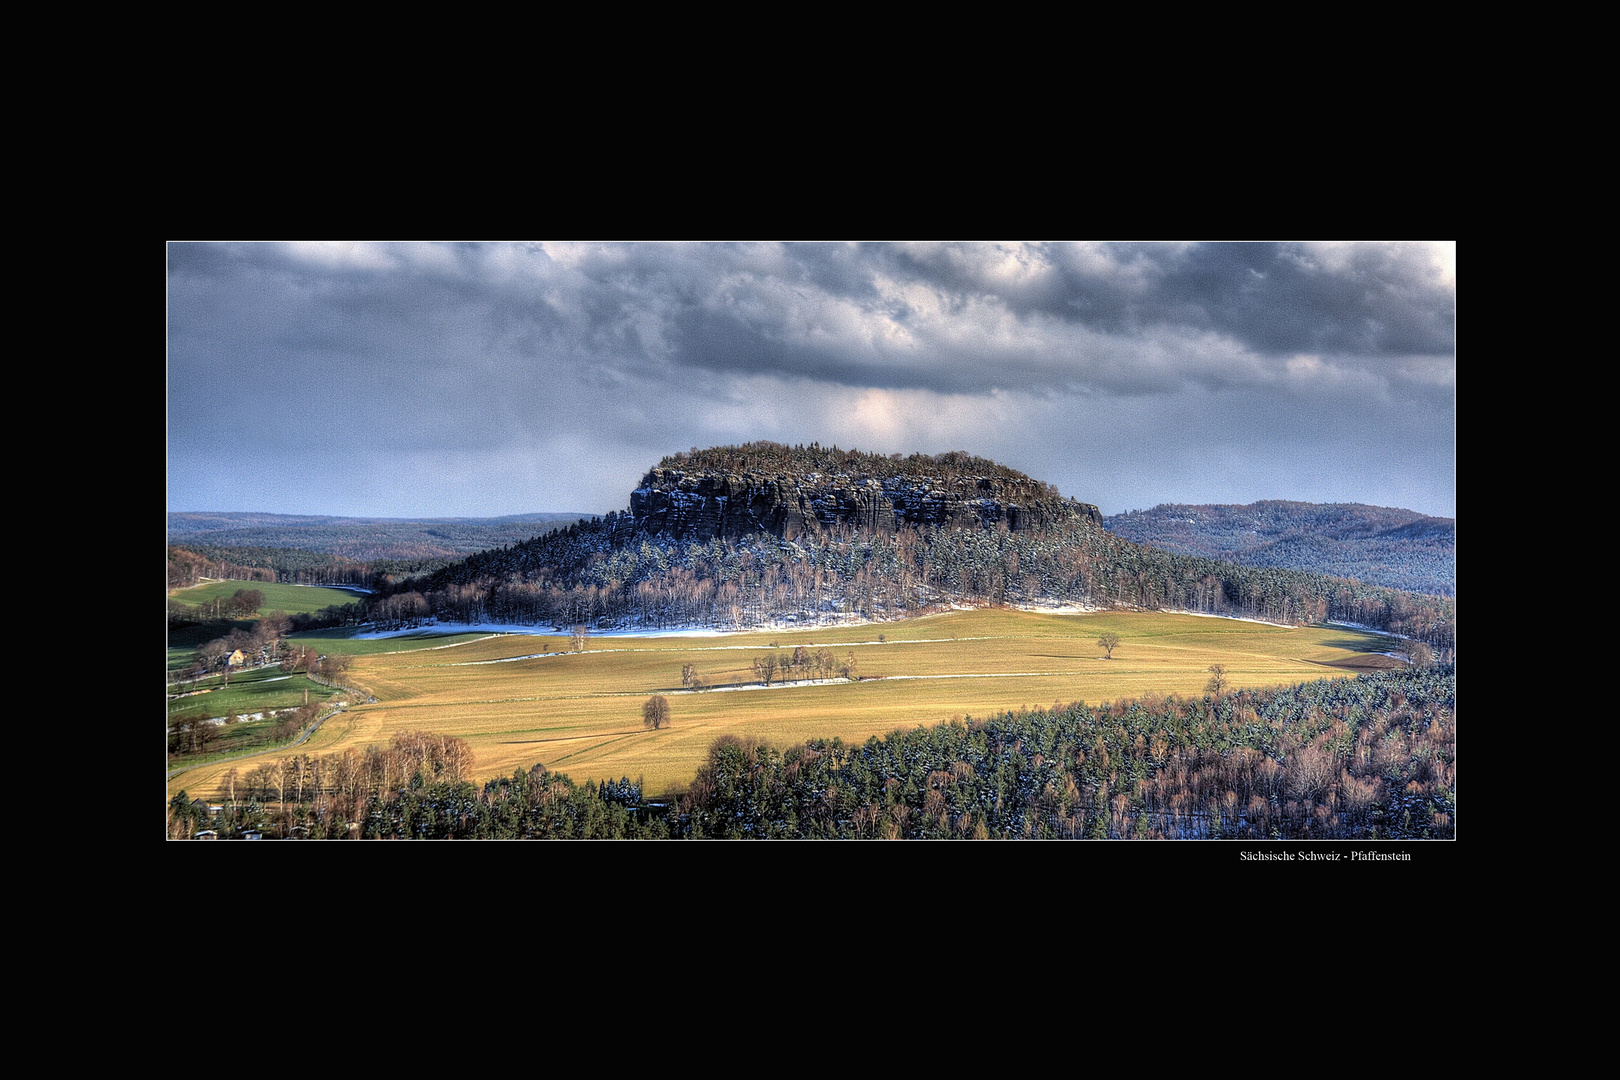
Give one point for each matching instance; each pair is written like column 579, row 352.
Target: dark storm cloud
column 1278, row 298
column 1042, row 318
column 497, row 378
column 1270, row 297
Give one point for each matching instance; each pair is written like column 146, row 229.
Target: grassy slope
column 291, row 599
column 249, row 692
column 581, row 713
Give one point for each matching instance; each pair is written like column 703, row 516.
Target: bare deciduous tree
column 655, row 713
column 765, row 668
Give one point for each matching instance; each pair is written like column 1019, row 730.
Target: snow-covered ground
column 777, row 627
column 435, row 629
column 547, row 631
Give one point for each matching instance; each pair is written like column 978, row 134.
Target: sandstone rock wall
column 684, row 506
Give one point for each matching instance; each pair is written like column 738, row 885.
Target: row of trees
column 803, row 664
column 321, row 795
column 259, row 642
column 186, row 567
column 263, row 642
column 190, row 563
column 221, row 609
column 195, row 732
column 417, row 787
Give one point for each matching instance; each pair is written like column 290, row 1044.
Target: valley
column 800, row 641
column 811, row 540
column 518, row 700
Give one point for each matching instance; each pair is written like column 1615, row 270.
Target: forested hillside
column 189, row 565
column 367, row 540
column 1399, row 549
column 331, row 550
column 1363, row 758
column 599, row 573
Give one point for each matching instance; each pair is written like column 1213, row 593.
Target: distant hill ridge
column 1399, row 549
column 360, row 538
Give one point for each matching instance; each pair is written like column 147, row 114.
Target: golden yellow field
column 581, row 713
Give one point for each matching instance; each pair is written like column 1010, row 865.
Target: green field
column 292, row 599
column 248, row 692
column 251, row 695
column 518, row 700
column 344, row 640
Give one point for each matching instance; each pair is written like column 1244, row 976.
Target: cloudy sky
column 483, row 379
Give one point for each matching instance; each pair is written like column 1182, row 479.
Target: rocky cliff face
column 689, row 505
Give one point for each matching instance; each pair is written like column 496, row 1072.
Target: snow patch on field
column 446, row 628
column 873, row 678
column 431, row 629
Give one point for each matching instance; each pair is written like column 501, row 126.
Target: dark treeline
column 221, row 611
column 1367, row 758
column 601, row 574
column 294, row 566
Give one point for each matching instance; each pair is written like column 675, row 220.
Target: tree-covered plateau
column 588, row 574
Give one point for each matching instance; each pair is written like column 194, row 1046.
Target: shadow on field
column 1366, row 662
column 1360, row 644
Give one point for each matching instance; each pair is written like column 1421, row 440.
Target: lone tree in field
column 1109, row 642
column 576, row 641
column 1217, row 680
column 655, row 714
column 690, row 677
